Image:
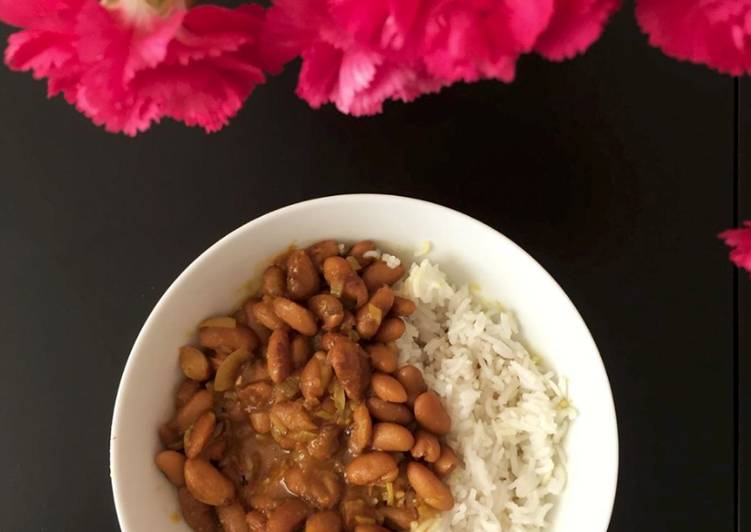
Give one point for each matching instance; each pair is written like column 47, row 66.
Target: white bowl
column 465, row 248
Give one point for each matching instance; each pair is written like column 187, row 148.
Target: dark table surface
column 615, row 170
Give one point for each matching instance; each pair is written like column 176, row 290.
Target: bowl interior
column 466, row 249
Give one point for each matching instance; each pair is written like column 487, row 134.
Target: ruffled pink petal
column 204, row 94
column 46, row 47
column 50, row 15
column 358, row 81
column 48, row 55
column 291, row 27
column 575, row 25
column 319, row 74
column 392, row 82
column 480, row 39
column 714, row 33
column 356, row 72
column 739, row 240
column 209, row 30
column 41, row 52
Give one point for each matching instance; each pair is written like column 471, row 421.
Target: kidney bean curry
column 295, row 415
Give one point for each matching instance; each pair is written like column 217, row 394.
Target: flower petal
column 739, row 240
column 575, row 25
column 319, row 74
column 714, row 33
column 50, row 15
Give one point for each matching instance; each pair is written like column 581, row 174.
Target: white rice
column 509, row 413
column 391, row 260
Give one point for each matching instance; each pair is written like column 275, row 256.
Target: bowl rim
column 322, row 201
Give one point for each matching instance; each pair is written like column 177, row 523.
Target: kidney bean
column 369, row 317
column 171, row 463
column 252, row 321
column 429, row 487
column 279, row 356
column 300, row 347
column 287, row 516
column 206, row 483
column 315, row 377
column 185, row 391
column 391, row 330
column 388, row 388
column 358, row 251
column 324, row 522
column 371, row 468
column 197, row 515
column 344, row 281
column 383, row 357
column 214, row 450
column 302, row 276
column 273, row 281
column 328, row 309
column 426, row 446
column 228, row 370
column 263, row 311
column 297, row 317
column 351, row 366
column 378, row 274
column 219, row 321
column 392, row 437
column 201, row 402
column 199, row 434
column 362, row 429
column 431, row 414
column 411, row 378
column 327, row 340
column 169, row 437
column 320, row 251
column 232, row 517
column 391, row 412
column 403, row 307
column 446, row 462
column 226, row 340
column 194, row 364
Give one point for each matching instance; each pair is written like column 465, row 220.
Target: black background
column 615, row 170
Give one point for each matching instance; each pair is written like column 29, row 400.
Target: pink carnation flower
column 714, row 32
column 359, row 53
column 740, row 242
column 128, row 66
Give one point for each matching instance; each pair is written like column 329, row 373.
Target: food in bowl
column 326, row 402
